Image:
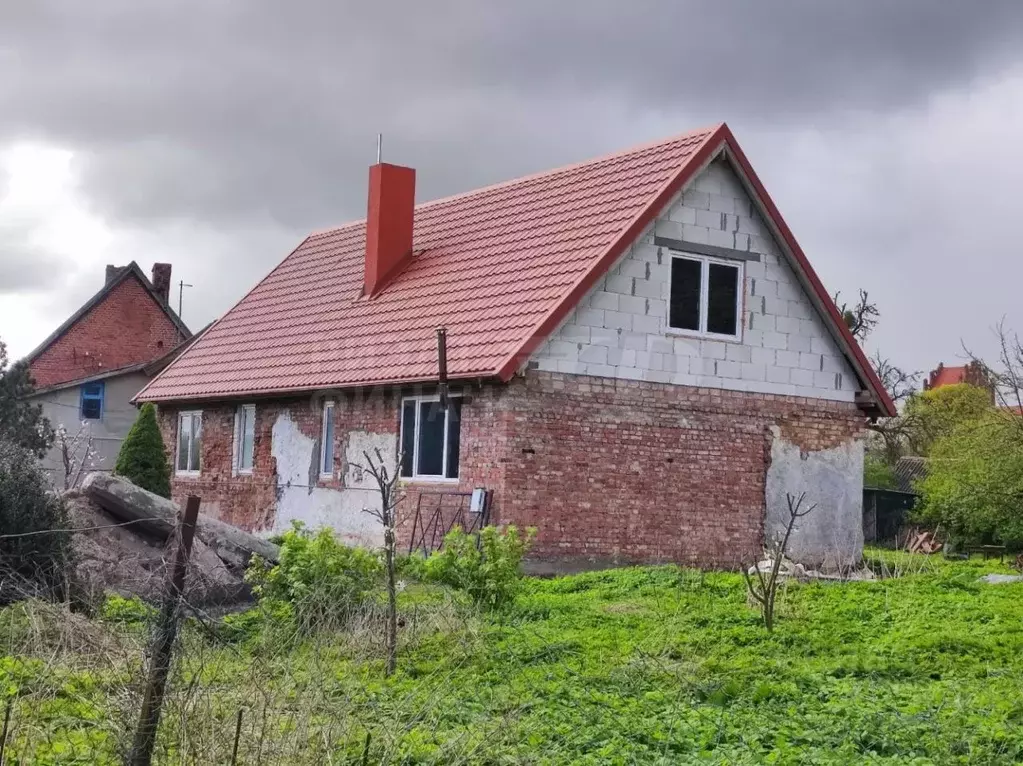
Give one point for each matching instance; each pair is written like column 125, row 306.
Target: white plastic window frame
column 244, row 417
column 327, row 443
column 705, row 262
column 442, row 478
column 178, row 471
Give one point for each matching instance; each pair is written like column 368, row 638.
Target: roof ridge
column 706, row 131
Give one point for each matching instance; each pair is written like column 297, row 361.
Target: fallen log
column 156, row 516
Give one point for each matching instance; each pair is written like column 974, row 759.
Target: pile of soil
column 126, row 560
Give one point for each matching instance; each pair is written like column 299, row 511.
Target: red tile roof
column 948, row 376
column 500, row 267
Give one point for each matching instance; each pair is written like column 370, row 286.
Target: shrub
column 489, row 572
column 877, row 472
column 142, row 459
column 320, row 579
column 974, row 482
column 127, row 611
column 40, row 562
column 931, row 415
column 21, row 421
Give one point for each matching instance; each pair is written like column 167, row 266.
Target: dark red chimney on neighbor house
column 162, row 280
column 392, row 202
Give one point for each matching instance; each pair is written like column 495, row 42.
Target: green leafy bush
column 974, row 483
column 127, row 611
column 142, row 459
column 321, row 580
column 877, row 472
column 931, row 415
column 39, row 562
column 489, row 572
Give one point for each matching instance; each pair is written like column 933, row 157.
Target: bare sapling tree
column 764, row 588
column 388, row 483
column 1006, row 379
column 861, row 317
column 893, row 435
column 78, row 454
column 896, row 435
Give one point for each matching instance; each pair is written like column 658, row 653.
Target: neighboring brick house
column 643, row 364
column 972, row 373
column 87, row 372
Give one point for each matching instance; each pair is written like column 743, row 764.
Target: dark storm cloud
column 225, row 111
column 215, row 133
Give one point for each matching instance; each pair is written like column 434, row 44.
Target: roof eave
column 277, row 393
column 89, row 379
column 719, row 141
column 882, row 401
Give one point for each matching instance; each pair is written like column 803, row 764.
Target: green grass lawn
column 642, row 665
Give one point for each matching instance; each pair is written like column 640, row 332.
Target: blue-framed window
column 91, row 407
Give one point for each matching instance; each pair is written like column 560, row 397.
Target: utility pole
column 181, row 292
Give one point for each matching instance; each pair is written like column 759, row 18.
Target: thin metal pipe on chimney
column 442, row 366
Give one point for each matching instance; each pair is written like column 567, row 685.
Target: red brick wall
column 248, row 500
column 125, row 328
column 608, row 471
column 613, row 471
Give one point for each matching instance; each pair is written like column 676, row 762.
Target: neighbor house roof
column 500, row 268
column 948, row 376
column 125, row 272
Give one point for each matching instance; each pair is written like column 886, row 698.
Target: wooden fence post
column 237, row 738
column 163, row 643
column 7, row 722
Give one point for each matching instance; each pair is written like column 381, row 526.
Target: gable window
column 327, row 441
column 189, row 443
column 91, row 404
column 706, row 296
column 430, row 437
column 244, row 438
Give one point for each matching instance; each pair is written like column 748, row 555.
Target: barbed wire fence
column 275, row 697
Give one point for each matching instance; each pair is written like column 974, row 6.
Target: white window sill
column 674, row 332
column 187, row 474
column 428, row 480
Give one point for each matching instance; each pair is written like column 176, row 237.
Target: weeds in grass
column 641, row 665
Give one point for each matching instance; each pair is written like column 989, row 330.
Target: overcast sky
column 214, row 134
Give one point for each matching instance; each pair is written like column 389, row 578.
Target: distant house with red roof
column 972, row 373
column 641, row 364
column 89, row 369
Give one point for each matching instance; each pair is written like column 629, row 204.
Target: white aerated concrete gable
column 619, row 330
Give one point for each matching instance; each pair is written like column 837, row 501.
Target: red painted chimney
column 162, row 280
column 392, row 202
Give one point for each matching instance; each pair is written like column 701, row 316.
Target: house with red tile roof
column 89, row 369
column 972, row 373
column 640, row 362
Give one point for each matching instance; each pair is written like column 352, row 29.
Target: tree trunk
column 157, row 517
column 392, row 603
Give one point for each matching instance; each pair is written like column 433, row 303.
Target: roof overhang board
column 637, row 228
column 877, row 402
column 90, row 379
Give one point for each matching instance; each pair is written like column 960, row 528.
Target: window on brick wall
column 244, row 438
column 430, row 438
column 706, row 296
column 327, row 441
column 91, row 405
column 189, row 455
